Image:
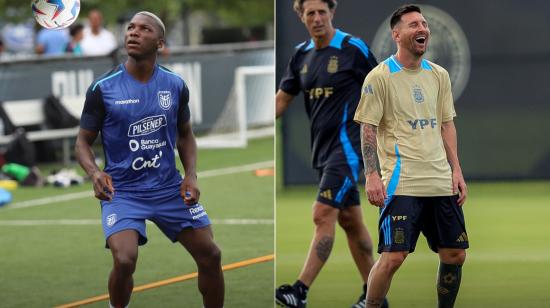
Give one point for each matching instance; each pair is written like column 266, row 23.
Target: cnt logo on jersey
column 165, row 99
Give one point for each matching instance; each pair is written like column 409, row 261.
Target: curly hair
column 299, row 5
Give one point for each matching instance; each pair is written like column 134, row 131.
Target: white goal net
column 249, row 110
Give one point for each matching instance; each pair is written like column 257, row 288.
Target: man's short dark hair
column 74, row 29
column 299, row 5
column 402, row 10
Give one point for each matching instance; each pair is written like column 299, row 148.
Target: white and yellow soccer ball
column 55, row 14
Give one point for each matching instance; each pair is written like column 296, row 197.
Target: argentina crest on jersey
column 165, row 99
column 417, row 94
column 332, row 66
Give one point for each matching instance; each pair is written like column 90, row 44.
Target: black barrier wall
column 208, row 71
column 498, row 56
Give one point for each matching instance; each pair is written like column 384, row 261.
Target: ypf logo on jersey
column 165, row 99
column 448, row 46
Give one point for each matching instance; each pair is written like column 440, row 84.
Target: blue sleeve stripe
column 351, row 157
column 169, row 72
column 394, row 180
column 393, row 65
column 338, row 38
column 300, row 45
column 108, row 77
column 308, row 47
column 426, row 65
column 361, row 45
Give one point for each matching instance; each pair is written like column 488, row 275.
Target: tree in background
column 227, row 13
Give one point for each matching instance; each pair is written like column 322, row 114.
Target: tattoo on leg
column 324, row 247
column 368, row 147
column 374, row 302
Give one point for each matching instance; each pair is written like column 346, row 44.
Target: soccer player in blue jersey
column 142, row 112
column 329, row 69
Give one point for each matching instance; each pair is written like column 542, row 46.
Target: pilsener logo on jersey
column 146, row 126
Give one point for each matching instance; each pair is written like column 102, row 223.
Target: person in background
column 77, row 34
column 329, row 69
column 51, row 42
column 97, row 40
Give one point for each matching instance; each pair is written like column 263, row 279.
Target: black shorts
column 440, row 219
column 338, row 182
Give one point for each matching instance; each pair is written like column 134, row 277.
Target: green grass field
column 52, row 264
column 508, row 263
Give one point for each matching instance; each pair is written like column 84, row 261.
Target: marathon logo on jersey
column 127, row 102
column 165, row 99
column 146, row 126
column 417, row 94
column 111, row 220
column 422, row 123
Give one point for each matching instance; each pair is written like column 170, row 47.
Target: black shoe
column 362, row 302
column 287, row 296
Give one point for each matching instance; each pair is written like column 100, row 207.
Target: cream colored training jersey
column 408, row 107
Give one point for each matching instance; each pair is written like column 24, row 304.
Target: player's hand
column 459, row 187
column 189, row 190
column 376, row 193
column 103, row 186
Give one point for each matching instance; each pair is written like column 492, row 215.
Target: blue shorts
column 129, row 210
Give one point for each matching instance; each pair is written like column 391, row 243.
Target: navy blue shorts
column 165, row 208
column 440, row 219
column 338, row 181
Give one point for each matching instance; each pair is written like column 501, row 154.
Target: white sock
column 111, row 306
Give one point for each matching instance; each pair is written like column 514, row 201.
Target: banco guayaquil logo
column 447, row 46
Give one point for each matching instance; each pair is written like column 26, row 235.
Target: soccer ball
column 55, row 14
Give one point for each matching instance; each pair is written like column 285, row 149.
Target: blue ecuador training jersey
column 138, row 124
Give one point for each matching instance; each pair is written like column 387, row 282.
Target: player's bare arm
column 103, row 184
column 282, row 101
column 448, row 133
column 187, row 149
column 374, row 186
